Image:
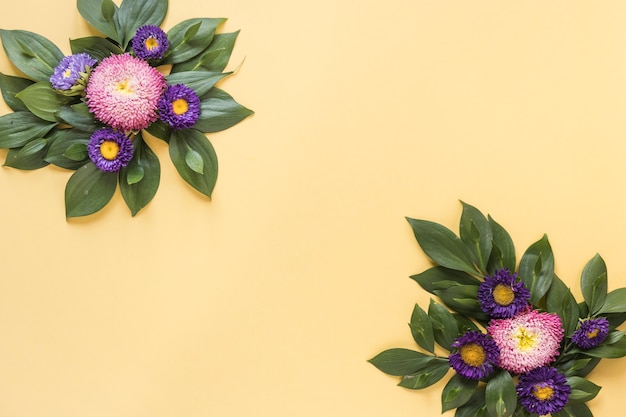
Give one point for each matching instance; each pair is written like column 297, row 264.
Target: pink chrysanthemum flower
column 528, row 340
column 123, row 92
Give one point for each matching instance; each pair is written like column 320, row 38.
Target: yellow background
column 269, row 299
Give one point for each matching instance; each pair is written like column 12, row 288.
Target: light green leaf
column 43, row 101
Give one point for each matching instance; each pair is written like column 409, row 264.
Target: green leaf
column 29, row 157
column 428, row 376
column 194, row 161
column 200, row 82
column 219, row 111
column 500, row 395
column 88, row 190
column 214, row 58
column 189, row 38
column 475, row 232
column 422, row 329
column 503, row 250
column 43, row 101
column 19, row 128
column 441, row 245
column 615, row 302
column 536, row 268
column 10, row 86
column 440, row 278
column 69, row 149
column 457, row 392
column 614, row 347
column 463, row 299
column 475, row 407
column 593, row 283
column 399, row 361
column 139, row 181
column 181, row 142
column 79, row 117
column 98, row 14
column 31, row 53
column 160, row 130
column 578, row 366
column 560, row 300
column 574, row 409
column 96, row 46
column 132, row 14
column 583, row 390
column 445, row 327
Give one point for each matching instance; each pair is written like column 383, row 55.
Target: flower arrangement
column 88, row 111
column 518, row 342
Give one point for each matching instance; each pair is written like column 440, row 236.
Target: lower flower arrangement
column 515, row 337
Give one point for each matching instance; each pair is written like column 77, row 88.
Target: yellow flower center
column 503, row 295
column 525, row 339
column 67, row 73
column 543, row 393
column 151, row 43
column 125, row 87
column 473, row 354
column 180, row 106
column 109, row 150
column 593, row 333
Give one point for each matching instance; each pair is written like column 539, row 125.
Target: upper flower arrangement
column 518, row 342
column 87, row 111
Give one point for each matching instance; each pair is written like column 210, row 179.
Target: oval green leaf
column 139, row 181
column 31, row 53
column 181, row 142
column 88, row 190
column 536, row 268
column 11, row 85
column 593, row 283
column 19, row 128
column 219, row 111
column 500, row 395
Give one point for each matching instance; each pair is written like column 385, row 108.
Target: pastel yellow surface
column 269, row 299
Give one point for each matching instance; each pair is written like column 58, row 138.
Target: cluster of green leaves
column 461, row 263
column 49, row 128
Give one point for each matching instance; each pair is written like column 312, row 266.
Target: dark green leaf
column 19, row 128
column 399, row 362
column 160, row 130
column 31, row 53
column 189, row 38
column 98, row 14
column 131, row 15
column 593, row 283
column 181, row 142
column 88, row 190
column 214, row 58
column 445, row 327
column 43, row 101
column 139, row 181
column 29, row 157
column 475, row 232
column 559, row 300
column 463, row 299
column 583, row 390
column 79, row 117
column 457, row 392
column 432, row 373
column 536, row 268
column 441, row 245
column 200, row 82
column 440, row 278
column 574, row 409
column 475, row 407
column 422, row 329
column 219, row 111
column 615, row 302
column 68, row 147
column 96, row 46
column 10, row 86
column 578, row 367
column 614, row 347
column 465, row 324
column 500, row 395
column 503, row 250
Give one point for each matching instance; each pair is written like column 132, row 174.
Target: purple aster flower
column 475, row 356
column 179, row 106
column 150, row 42
column 110, row 149
column 543, row 391
column 70, row 76
column 591, row 332
column 502, row 296
column 527, row 341
column 123, row 92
